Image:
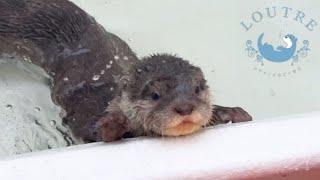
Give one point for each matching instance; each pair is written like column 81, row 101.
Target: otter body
column 106, row 91
column 82, row 58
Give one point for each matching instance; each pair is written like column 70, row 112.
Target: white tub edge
column 278, row 145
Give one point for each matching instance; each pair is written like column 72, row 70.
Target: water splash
column 29, row 120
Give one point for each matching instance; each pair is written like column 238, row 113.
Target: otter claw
column 112, row 127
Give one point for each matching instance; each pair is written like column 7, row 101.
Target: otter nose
column 184, row 109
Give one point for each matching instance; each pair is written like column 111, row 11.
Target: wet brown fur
column 92, row 68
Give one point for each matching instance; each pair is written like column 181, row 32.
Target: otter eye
column 286, row 37
column 200, row 87
column 155, row 96
column 197, row 91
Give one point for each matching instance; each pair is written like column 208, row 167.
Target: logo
column 279, row 42
column 279, row 54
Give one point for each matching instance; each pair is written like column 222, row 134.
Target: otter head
column 166, row 95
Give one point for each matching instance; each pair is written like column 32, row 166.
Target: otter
column 105, row 90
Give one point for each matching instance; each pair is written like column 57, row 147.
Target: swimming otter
column 106, row 91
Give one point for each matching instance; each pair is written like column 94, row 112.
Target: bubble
column 108, row 66
column 9, row 106
column 102, row 72
column 66, row 79
column 125, row 58
column 116, row 57
column 53, row 122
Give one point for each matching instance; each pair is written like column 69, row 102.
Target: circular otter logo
column 278, row 54
column 279, row 42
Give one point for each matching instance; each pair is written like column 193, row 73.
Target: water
column 29, row 121
column 209, row 34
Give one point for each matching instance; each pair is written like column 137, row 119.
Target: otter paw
column 112, row 127
column 240, row 115
column 224, row 115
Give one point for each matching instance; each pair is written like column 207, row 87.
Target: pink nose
column 184, row 109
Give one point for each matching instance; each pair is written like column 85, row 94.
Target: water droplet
column 139, row 70
column 96, row 77
column 110, row 62
column 27, row 59
column 163, row 61
column 111, row 89
column 108, row 66
column 116, row 57
column 125, row 58
column 9, row 106
column 102, row 71
column 66, row 79
column 53, row 122
column 38, row 108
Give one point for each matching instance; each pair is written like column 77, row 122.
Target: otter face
column 167, row 96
